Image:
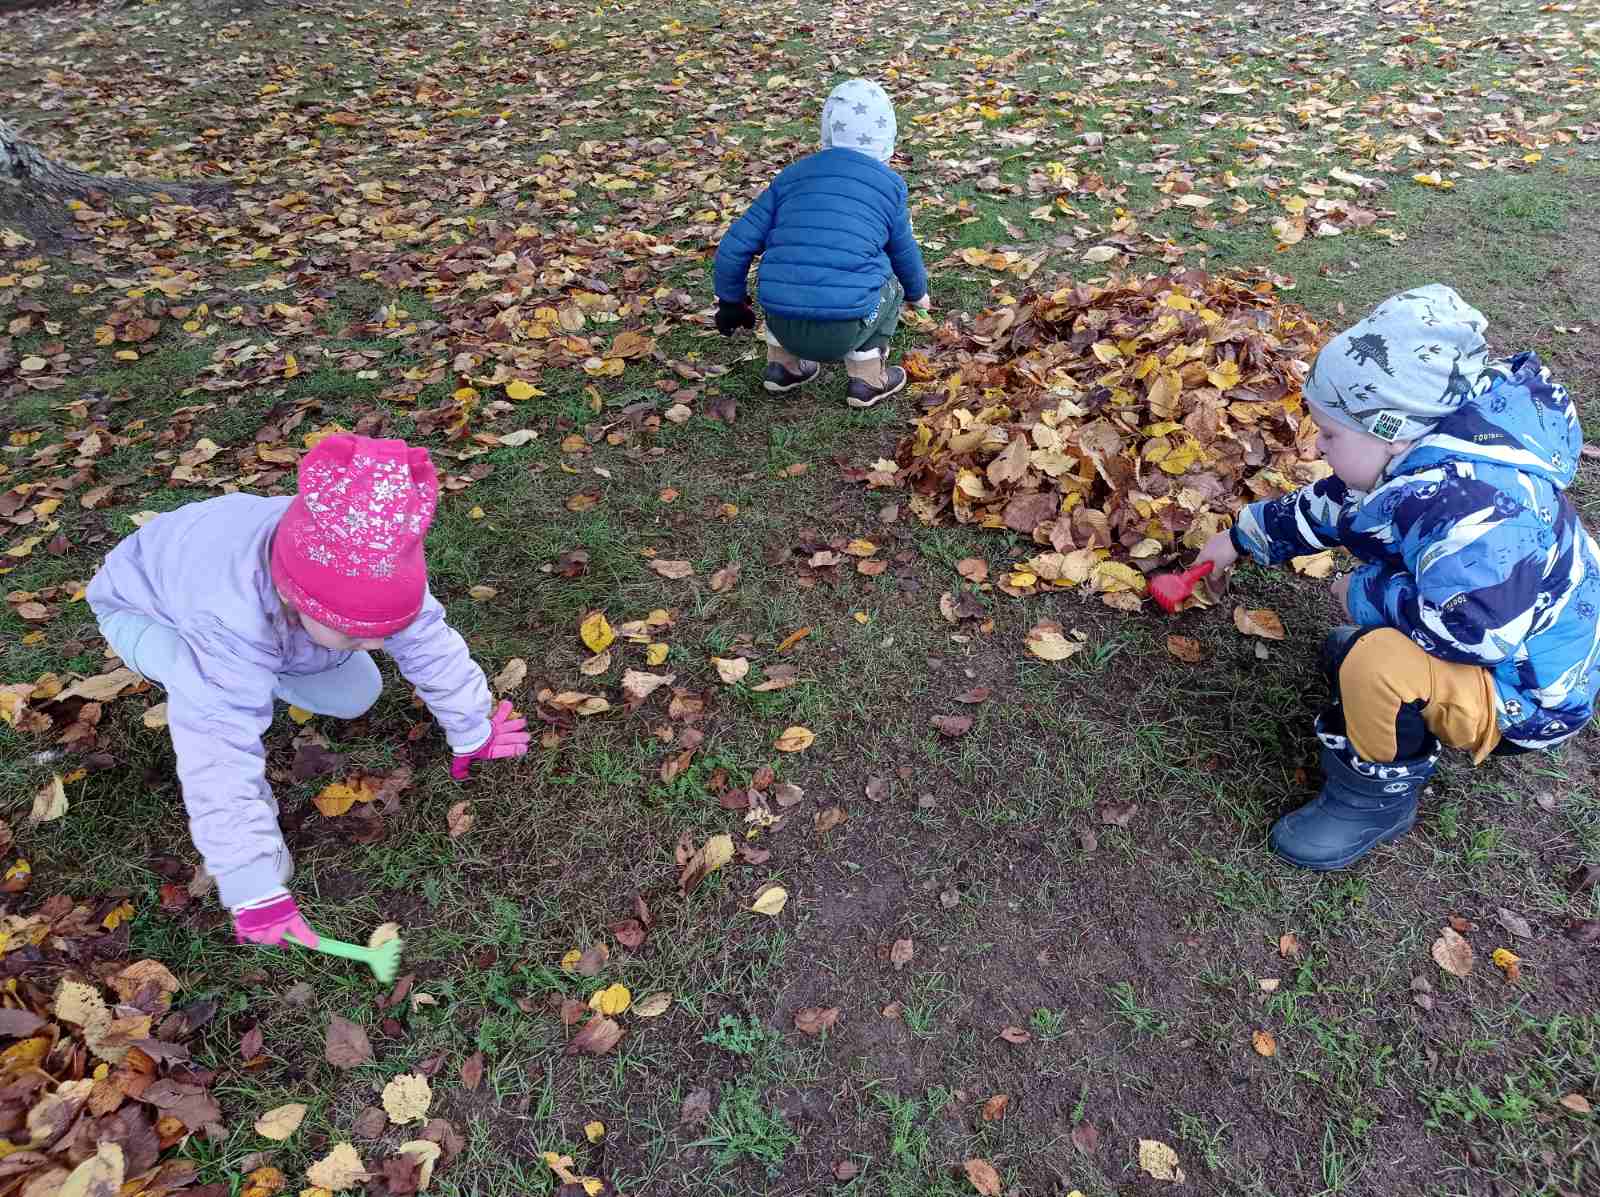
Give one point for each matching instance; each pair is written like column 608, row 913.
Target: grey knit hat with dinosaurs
column 859, row 115
column 1402, row 369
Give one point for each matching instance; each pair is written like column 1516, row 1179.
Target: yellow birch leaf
column 596, row 631
column 771, row 900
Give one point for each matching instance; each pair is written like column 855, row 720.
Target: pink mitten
column 267, row 921
column 508, row 736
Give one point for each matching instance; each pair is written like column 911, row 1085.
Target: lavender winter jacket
column 202, row 570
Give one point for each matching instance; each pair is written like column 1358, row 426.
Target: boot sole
column 1344, row 862
column 863, row 404
column 783, row 388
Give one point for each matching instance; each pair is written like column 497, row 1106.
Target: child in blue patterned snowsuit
column 1474, row 615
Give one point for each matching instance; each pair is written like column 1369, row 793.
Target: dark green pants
column 830, row 340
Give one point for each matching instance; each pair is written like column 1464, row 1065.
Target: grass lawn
column 435, row 201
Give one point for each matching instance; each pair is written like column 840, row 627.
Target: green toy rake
column 383, row 960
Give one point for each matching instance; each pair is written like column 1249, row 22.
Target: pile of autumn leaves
column 95, row 1082
column 1117, row 426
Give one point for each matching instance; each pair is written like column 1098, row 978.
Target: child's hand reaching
column 1223, row 556
column 508, row 736
column 733, row 315
column 268, row 921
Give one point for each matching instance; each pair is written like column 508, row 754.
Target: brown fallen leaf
column 829, row 818
column 795, row 739
column 1577, row 1103
column 673, row 570
column 596, row 1037
column 983, row 1177
column 1265, row 1044
column 1452, row 953
column 1013, row 1034
column 975, row 695
column 1289, row 946
column 472, row 1071
column 696, row 1107
column 1186, row 649
column 900, row 953
column 994, row 1108
column 973, row 569
column 1085, row 1137
column 813, row 1020
column 1118, row 814
column 346, row 1045
column 1258, row 622
column 458, row 819
column 952, row 725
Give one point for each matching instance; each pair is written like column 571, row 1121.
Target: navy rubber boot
column 1361, row 806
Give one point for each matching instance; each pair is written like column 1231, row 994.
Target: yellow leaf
column 717, row 852
column 656, row 653
column 795, row 739
column 1113, row 576
column 653, row 1006
column 594, row 1131
column 771, row 900
column 155, row 718
column 1315, row 565
column 482, row 593
column 278, row 1124
column 1507, row 962
column 338, row 797
column 406, row 1098
column 427, row 1154
column 50, row 803
column 612, row 1000
column 339, row 1170
column 596, row 631
column 300, row 715
column 119, row 914
column 1159, row 1161
column 519, row 390
column 1046, row 641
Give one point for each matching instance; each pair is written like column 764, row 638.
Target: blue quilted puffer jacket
column 1472, row 549
column 830, row 228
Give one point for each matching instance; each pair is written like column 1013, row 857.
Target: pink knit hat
column 348, row 551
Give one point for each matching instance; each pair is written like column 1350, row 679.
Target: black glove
column 734, row 314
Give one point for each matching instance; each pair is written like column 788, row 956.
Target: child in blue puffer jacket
column 838, row 254
column 1475, row 620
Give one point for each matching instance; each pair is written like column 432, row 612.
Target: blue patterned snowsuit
column 1471, row 549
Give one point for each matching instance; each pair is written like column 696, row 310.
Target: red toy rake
column 1169, row 590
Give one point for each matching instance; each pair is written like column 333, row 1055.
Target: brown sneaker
column 780, row 379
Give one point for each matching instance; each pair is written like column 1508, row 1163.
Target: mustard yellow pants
column 1390, row 689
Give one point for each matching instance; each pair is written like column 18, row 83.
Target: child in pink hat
column 238, row 601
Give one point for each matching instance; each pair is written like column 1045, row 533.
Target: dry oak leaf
column 339, row 1170
column 1265, row 1044
column 983, row 1177
column 813, row 1020
column 973, row 569
column 347, row 1045
column 995, row 1108
column 458, row 819
column 795, row 739
column 406, row 1098
column 673, row 570
column 1258, row 622
column 1577, row 1103
column 731, row 669
column 278, row 1124
column 901, row 953
column 1159, row 1161
column 1452, row 953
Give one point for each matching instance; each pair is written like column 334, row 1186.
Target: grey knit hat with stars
column 1410, row 363
column 859, row 115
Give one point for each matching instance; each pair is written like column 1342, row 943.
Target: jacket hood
column 1517, row 417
